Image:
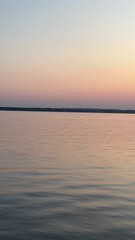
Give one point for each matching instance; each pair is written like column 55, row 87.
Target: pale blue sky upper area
column 57, row 22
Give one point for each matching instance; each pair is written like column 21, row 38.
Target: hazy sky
column 67, row 53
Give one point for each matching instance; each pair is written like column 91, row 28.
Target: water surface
column 67, row 176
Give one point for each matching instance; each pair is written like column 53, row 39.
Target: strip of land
column 81, row 110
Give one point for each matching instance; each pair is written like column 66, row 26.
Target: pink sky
column 68, row 53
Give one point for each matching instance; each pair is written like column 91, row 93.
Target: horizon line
column 68, row 109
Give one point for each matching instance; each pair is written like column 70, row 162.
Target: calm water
column 67, row 176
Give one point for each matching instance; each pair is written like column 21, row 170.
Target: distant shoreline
column 77, row 110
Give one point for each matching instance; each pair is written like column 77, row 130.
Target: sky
column 67, row 53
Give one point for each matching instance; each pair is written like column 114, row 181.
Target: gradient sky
column 67, row 53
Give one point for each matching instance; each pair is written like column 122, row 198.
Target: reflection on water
column 67, row 176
